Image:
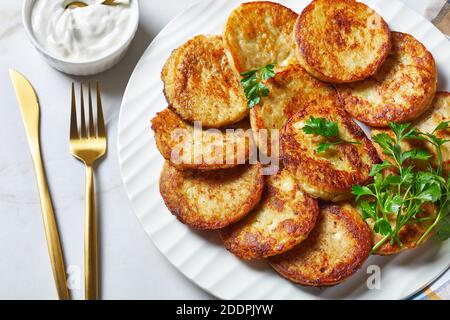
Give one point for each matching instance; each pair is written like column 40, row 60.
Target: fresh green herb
column 253, row 85
column 397, row 199
column 328, row 129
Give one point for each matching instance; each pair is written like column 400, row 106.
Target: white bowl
column 84, row 68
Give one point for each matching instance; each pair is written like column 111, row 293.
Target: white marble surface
column 131, row 267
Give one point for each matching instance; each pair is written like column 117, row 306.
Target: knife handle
column 51, row 230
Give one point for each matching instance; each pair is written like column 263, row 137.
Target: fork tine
column 100, row 119
column 83, row 118
column 73, row 116
column 92, row 133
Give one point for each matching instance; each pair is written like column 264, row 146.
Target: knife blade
column 29, row 108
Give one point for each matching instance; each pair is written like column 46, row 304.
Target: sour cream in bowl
column 81, row 41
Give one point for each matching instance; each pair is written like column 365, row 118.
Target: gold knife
column 29, row 107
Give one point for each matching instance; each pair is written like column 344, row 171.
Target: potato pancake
column 260, row 33
column 208, row 149
column 341, row 41
column 336, row 248
column 291, row 89
column 211, row 199
column 439, row 112
column 284, row 218
column 400, row 91
column 329, row 175
column 200, row 85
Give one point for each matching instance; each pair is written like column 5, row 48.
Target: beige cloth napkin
column 437, row 11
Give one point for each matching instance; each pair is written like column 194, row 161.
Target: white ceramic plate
column 200, row 255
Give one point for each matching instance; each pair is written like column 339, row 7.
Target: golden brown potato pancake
column 400, row 91
column 211, row 199
column 207, row 149
column 291, row 89
column 336, row 248
column 329, row 175
column 284, row 217
column 341, row 41
column 260, row 33
column 200, row 85
column 437, row 113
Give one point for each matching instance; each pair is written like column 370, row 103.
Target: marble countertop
column 131, row 266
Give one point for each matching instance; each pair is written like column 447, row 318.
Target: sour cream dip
column 82, row 34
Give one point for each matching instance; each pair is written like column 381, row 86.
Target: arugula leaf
column 253, row 86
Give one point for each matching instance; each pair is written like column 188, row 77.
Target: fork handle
column 90, row 239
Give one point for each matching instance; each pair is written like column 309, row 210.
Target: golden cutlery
column 88, row 146
column 80, row 4
column 29, row 107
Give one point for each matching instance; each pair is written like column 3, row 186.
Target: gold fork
column 88, row 146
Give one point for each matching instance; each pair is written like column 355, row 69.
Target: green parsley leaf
column 397, row 199
column 360, row 191
column 377, row 168
column 442, row 126
column 253, row 85
column 401, row 130
column 324, row 146
column 393, row 203
column 325, row 128
column 415, row 154
column 443, row 231
column 321, row 127
column 267, row 72
column 385, row 141
column 432, row 194
column 391, row 180
column 367, row 209
column 382, row 226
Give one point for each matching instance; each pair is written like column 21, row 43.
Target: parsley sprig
column 328, row 129
column 253, row 85
column 396, row 199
